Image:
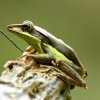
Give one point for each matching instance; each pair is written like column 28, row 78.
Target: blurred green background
column 77, row 22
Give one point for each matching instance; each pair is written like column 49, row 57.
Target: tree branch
column 25, row 79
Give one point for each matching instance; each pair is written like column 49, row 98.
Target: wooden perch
column 25, row 79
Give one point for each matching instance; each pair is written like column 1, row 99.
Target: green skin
column 70, row 72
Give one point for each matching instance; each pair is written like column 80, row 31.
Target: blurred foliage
column 77, row 22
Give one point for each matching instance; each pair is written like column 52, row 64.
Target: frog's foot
column 29, row 50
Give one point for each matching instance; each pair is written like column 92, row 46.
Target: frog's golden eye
column 28, row 26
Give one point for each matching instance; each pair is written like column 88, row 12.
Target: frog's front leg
column 47, row 57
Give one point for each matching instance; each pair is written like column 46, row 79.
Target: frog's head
column 26, row 26
column 23, row 31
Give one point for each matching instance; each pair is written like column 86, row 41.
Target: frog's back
column 62, row 47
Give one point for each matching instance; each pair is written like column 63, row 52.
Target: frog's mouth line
column 18, row 30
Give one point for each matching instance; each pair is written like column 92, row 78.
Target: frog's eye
column 28, row 26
